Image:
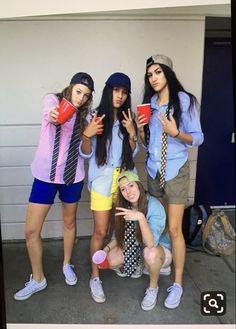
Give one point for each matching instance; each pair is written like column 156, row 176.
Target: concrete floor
column 64, row 304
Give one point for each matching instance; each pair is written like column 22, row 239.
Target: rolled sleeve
column 191, row 124
column 198, row 139
column 83, row 155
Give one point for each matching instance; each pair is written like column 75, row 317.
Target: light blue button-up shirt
column 177, row 151
column 100, row 178
column 156, row 219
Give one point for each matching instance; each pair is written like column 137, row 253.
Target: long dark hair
column 120, row 221
column 104, row 140
column 83, row 110
column 174, row 87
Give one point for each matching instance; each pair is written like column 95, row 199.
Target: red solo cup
column 100, row 259
column 144, row 109
column 66, row 111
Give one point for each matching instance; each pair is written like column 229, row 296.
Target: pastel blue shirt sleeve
column 191, row 121
column 156, row 218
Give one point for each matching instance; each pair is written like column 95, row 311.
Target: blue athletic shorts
column 44, row 193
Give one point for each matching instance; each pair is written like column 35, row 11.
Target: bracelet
column 177, row 134
column 109, row 249
column 86, row 136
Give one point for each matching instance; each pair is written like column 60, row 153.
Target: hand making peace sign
column 129, row 214
column 127, row 122
column 168, row 125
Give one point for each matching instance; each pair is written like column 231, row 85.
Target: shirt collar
column 154, row 105
column 116, row 123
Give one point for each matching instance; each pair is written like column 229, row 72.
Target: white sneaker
column 174, row 297
column 163, row 271
column 31, row 287
column 97, row 292
column 120, row 272
column 138, row 272
column 150, row 299
column 70, row 277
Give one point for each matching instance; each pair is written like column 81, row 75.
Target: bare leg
column 69, row 219
column 175, row 218
column 115, row 257
column 101, row 220
column 154, row 258
column 36, row 214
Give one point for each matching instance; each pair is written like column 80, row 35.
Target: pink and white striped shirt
column 41, row 165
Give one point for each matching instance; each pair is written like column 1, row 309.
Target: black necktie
column 55, row 153
column 72, row 158
column 163, row 153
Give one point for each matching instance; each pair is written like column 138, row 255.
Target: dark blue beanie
column 84, row 79
column 119, row 79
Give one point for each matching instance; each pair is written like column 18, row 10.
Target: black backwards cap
column 84, row 79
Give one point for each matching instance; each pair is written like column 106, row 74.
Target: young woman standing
column 174, row 127
column 112, row 150
column 57, row 167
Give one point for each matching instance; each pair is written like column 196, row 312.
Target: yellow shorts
column 100, row 202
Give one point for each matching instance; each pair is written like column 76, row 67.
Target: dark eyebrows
column 149, row 74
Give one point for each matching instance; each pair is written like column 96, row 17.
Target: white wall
column 41, row 56
column 12, row 8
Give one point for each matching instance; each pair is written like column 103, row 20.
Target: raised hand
column 140, row 121
column 95, row 127
column 127, row 122
column 168, row 125
column 53, row 115
column 129, row 214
